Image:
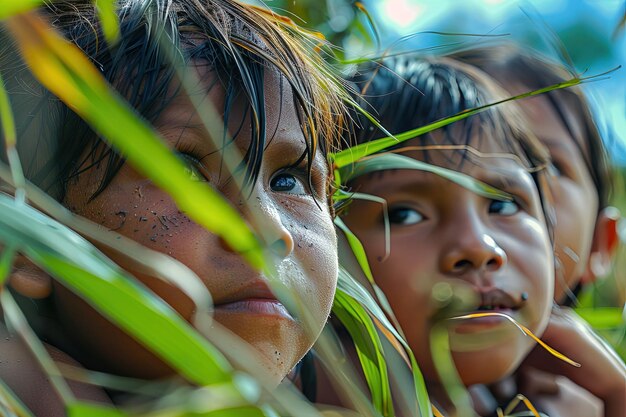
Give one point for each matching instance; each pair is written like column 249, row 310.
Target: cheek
column 530, row 252
column 573, row 230
column 312, row 267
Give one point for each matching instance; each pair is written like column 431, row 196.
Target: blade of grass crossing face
column 389, row 161
column 78, row 265
column 65, row 71
column 150, row 262
column 146, row 318
column 12, row 405
column 353, row 154
column 444, row 364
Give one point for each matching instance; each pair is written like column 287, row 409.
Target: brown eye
column 287, row 183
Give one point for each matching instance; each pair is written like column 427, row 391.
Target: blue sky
column 585, row 26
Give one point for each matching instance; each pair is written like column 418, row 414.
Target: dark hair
column 510, row 64
column 407, row 92
column 235, row 41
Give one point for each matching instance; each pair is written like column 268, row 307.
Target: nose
column 264, row 216
column 472, row 251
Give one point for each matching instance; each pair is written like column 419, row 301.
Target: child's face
column 573, row 190
column 301, row 229
column 445, row 237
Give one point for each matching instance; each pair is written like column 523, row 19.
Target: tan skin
column 296, row 223
column 442, row 233
column 585, row 239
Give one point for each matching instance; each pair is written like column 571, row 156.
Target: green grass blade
column 83, row 409
column 65, row 71
column 78, row 265
column 15, row 320
column 109, row 20
column 147, row 261
column 369, row 349
column 6, row 116
column 7, row 256
column 357, row 248
column 10, row 404
column 8, row 130
column 10, row 8
column 353, row 154
column 351, row 287
column 393, row 161
column 444, row 364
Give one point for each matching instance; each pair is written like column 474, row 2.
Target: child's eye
column 191, row 167
column 503, row 208
column 404, row 216
column 285, row 182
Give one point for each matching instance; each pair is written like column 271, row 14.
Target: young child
column 495, row 254
column 446, row 236
column 585, row 234
column 282, row 114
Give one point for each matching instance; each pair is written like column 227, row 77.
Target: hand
column 602, row 372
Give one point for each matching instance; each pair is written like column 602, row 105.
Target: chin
column 280, row 344
column 486, row 367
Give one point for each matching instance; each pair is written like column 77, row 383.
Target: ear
column 28, row 280
column 603, row 246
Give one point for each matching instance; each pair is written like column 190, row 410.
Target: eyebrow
column 509, row 182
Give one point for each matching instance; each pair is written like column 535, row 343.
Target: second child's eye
column 287, row 183
column 404, row 216
column 503, row 208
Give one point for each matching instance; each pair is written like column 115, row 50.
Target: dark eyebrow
column 509, row 182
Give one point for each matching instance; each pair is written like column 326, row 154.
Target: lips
column 256, row 298
column 493, row 300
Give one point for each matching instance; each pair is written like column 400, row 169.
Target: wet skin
column 297, row 225
column 489, row 252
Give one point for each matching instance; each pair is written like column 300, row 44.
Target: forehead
column 212, row 101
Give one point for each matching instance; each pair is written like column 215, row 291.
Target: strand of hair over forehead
column 240, row 40
column 408, row 91
column 255, row 38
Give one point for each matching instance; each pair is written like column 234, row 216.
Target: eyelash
column 311, row 179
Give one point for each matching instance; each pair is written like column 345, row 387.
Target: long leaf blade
column 65, row 71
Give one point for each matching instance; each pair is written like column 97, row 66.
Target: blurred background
column 590, row 31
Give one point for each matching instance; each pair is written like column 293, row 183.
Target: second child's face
column 299, row 227
column 445, row 238
column 573, row 190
